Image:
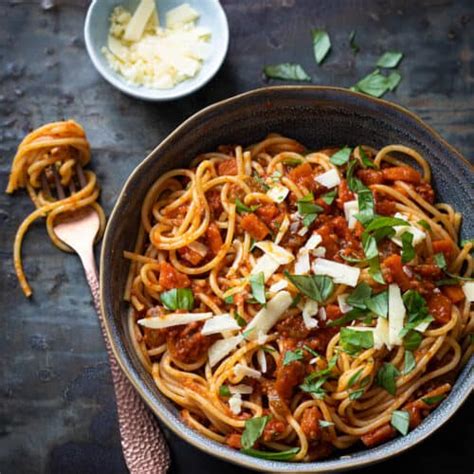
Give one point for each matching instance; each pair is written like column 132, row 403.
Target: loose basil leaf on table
column 286, row 72
column 321, row 44
column 390, row 59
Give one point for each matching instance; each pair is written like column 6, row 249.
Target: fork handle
column 144, row 447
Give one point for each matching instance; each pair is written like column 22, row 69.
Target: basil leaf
column 378, row 304
column 178, row 298
column 257, row 282
column 311, row 351
column 352, row 341
column 393, row 80
column 292, row 356
column 408, row 251
column 354, row 378
column 369, row 245
column 325, row 423
column 341, row 157
column 287, row 455
column 356, row 394
column 316, row 287
column 366, row 203
column 323, row 372
column 355, row 48
column 224, row 391
column 351, row 315
column 366, row 162
column 291, row 161
column 321, row 44
column 409, row 363
column 229, row 299
column 400, row 421
column 374, row 84
column 374, row 270
column 314, row 387
column 240, row 320
column 358, row 297
column 329, row 197
column 412, row 340
column 352, row 182
column 241, row 207
column 383, row 232
column 253, row 430
column 440, row 260
column 286, row 72
column 447, row 281
column 390, row 59
column 424, row 224
column 308, row 209
column 353, row 259
column 380, row 222
column 386, row 378
column 415, row 304
column 433, row 400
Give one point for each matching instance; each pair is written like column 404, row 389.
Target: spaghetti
column 53, row 153
column 291, row 303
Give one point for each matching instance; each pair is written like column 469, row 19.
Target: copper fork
column 143, row 444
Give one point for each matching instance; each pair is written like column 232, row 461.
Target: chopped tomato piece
column 187, row 344
column 227, row 167
column 440, row 307
column 444, row 246
column 273, row 429
column 329, row 240
column 426, row 192
column 310, row 423
column 333, row 312
column 153, row 337
column 302, row 175
column 385, row 207
column 454, row 293
column 190, row 255
column 254, row 226
column 344, row 194
column 214, row 238
column 401, row 173
column 288, row 377
column 267, row 213
column 233, row 440
column 369, row 177
column 428, row 270
column 379, row 435
column 394, row 272
column 170, row 277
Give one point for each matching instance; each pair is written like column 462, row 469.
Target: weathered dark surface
column 56, row 399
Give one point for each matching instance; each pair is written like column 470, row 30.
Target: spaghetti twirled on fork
column 292, row 302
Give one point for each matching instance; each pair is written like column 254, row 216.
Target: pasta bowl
column 319, row 117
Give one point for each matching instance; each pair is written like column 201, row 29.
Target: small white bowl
column 212, row 16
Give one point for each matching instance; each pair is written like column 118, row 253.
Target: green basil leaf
column 434, row 400
column 224, row 391
column 292, row 356
column 386, row 378
column 393, row 80
column 374, row 270
column 365, row 200
column 412, row 340
column 229, row 299
column 424, row 224
column 408, row 251
column 352, row 182
column 409, row 363
column 242, row 208
column 390, row 59
column 329, row 197
column 369, row 245
column 366, row 162
column 447, row 281
column 311, row 351
column 355, row 48
column 374, row 84
column 287, row 455
column 358, row 297
column 316, row 287
column 314, row 387
column 178, row 298
column 351, row 315
column 415, row 305
column 354, row 378
column 383, row 233
column 323, row 372
column 253, row 430
column 341, row 157
column 308, row 209
column 356, row 394
column 240, row 320
column 352, row 341
column 440, row 260
column 325, row 423
column 378, row 304
column 321, row 44
column 400, row 421
column 286, row 72
column 353, row 259
column 257, row 282
column 380, row 222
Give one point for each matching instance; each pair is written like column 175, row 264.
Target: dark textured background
column 56, row 399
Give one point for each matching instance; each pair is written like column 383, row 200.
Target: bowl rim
column 148, row 94
column 463, row 387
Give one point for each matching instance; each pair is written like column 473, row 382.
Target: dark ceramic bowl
column 319, row 117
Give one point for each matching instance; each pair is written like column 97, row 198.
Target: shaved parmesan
column 117, row 48
column 137, row 24
column 285, row 224
column 278, row 193
column 173, row 319
column 351, row 208
column 329, row 179
column 302, row 264
column 270, row 314
column 313, row 242
column 241, row 370
column 396, row 314
column 262, row 361
column 219, row 323
column 322, row 314
column 302, row 231
column 422, row 327
column 235, row 403
column 342, row 302
column 468, row 289
column 241, row 388
column 180, row 15
column 341, row 273
column 319, row 252
column 267, row 265
column 278, row 286
column 418, row 234
column 310, row 309
column 279, row 254
column 381, row 334
column 222, row 347
column 261, row 338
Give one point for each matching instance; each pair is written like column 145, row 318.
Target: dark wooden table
column 57, row 402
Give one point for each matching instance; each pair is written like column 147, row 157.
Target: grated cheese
column 329, row 179
column 173, row 319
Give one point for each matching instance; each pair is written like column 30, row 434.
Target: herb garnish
column 386, row 378
column 286, row 72
column 390, row 59
column 257, row 283
column 316, row 287
column 321, row 44
column 400, row 421
column 178, row 298
column 308, row 209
